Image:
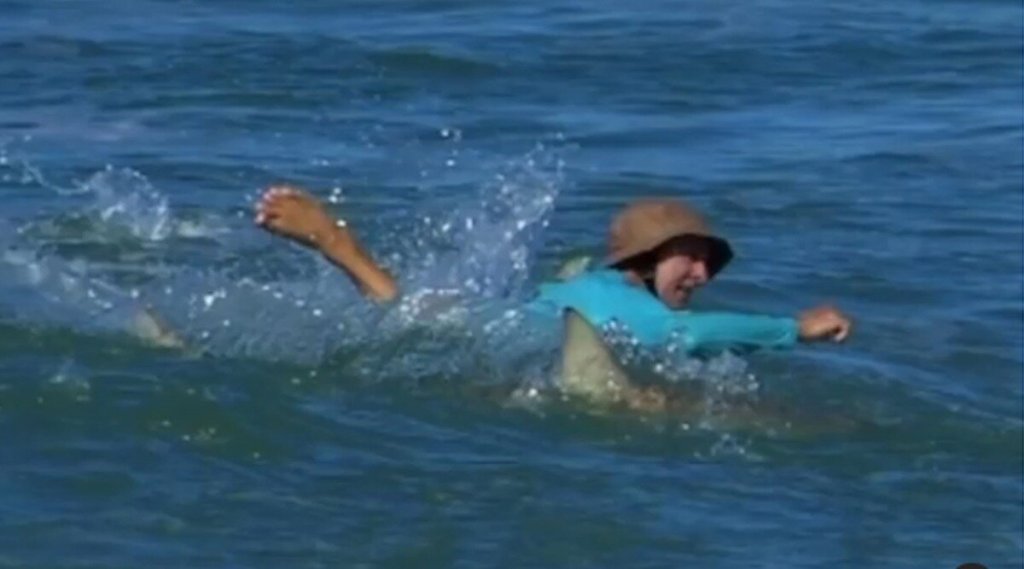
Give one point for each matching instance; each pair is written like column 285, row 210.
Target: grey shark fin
column 589, row 368
column 573, row 268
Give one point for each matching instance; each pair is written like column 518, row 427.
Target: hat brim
column 719, row 252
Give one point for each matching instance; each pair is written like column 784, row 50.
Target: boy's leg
column 295, row 214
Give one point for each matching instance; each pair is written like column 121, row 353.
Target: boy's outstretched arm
column 294, row 214
column 714, row 331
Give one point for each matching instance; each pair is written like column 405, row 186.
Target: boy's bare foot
column 290, row 212
column 150, row 328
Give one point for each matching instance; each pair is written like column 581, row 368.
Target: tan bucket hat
column 648, row 223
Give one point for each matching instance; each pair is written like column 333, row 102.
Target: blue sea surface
column 866, row 153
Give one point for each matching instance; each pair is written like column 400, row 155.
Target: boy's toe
column 292, row 195
column 272, row 199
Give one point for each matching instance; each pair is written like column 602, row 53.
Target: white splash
column 126, row 198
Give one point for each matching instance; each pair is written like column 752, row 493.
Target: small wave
column 14, row 168
column 426, row 61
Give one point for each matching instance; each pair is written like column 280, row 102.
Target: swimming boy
column 660, row 252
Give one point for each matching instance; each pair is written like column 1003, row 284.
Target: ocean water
column 868, row 154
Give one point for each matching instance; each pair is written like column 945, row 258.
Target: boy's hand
column 824, row 323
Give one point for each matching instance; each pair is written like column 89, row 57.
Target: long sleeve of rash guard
column 715, row 331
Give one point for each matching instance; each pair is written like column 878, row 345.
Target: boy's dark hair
column 642, row 264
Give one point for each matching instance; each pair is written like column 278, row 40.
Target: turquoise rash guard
column 605, row 295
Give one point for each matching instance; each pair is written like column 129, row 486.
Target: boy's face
column 682, row 268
